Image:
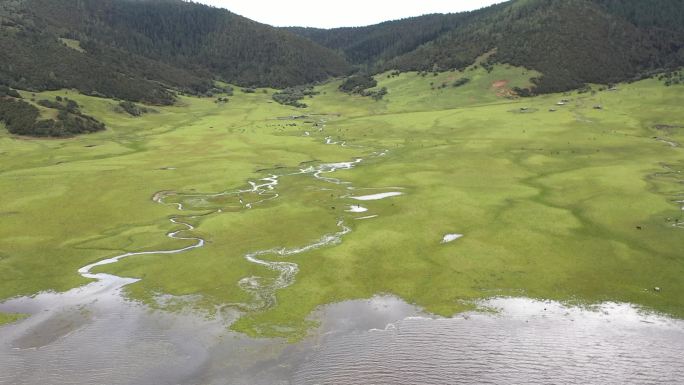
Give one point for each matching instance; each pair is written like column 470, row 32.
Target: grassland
column 576, row 205
column 9, row 318
column 71, row 43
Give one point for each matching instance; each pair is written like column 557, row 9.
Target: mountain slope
column 571, row 42
column 384, row 41
column 130, row 46
column 138, row 49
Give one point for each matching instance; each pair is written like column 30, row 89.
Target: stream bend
column 262, row 289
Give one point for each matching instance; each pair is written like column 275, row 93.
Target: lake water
column 383, row 340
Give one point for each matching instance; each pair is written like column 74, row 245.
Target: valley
column 546, row 204
column 191, row 196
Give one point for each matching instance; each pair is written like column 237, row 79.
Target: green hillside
column 570, row 42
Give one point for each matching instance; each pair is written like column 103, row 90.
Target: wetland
column 250, row 242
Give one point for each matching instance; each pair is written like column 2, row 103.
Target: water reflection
column 378, row 341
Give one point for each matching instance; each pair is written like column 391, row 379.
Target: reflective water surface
column 383, row 340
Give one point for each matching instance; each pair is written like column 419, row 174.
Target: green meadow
column 577, row 205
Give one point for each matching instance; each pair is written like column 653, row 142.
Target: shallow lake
column 382, row 340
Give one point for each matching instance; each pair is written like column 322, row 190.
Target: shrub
column 18, row 116
column 522, row 92
column 21, row 118
column 291, row 96
column 357, row 83
column 6, row 91
column 130, row 108
column 460, row 82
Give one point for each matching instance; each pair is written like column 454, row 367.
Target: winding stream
column 88, row 334
column 85, row 271
column 667, row 141
column 673, row 175
column 262, row 289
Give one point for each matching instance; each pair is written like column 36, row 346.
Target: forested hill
column 571, row 42
column 378, row 43
column 139, row 49
column 133, row 49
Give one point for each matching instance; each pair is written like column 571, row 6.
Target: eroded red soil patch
column 501, row 90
